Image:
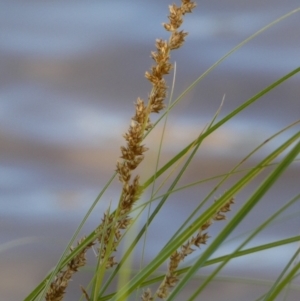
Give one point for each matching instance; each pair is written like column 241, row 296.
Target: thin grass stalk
column 245, row 252
column 171, row 278
column 157, row 162
column 40, row 290
column 63, row 262
column 224, row 178
column 244, row 243
column 89, row 239
column 132, row 154
column 34, row 294
column 102, row 262
column 221, row 122
column 277, row 290
column 151, row 218
column 254, row 199
column 201, row 77
column 244, row 181
column 280, row 277
column 168, row 250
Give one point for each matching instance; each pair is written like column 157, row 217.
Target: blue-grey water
column 70, row 72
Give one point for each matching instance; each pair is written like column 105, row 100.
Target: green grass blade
column 252, row 250
column 276, row 283
column 41, row 286
column 219, row 124
column 244, row 243
column 254, row 199
column 227, row 55
column 150, row 219
column 226, row 176
column 247, row 178
column 245, row 252
column 166, row 252
column 41, row 289
column 289, row 277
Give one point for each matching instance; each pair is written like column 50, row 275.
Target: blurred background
column 70, row 72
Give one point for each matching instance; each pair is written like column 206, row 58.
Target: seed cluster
column 109, row 231
column 147, row 296
column 201, row 238
column 106, row 232
column 133, row 152
column 58, row 287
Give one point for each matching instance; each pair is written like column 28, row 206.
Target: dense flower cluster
column 58, row 287
column 201, row 238
column 133, row 152
column 109, row 231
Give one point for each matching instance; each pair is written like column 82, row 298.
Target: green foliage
column 273, row 165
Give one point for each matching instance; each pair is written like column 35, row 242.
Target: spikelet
column 199, row 239
column 58, row 287
column 133, row 152
column 131, row 156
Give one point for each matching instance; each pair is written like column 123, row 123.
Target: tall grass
column 151, row 279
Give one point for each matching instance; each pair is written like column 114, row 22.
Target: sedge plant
column 169, row 271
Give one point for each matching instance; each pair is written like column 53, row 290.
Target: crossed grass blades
column 105, row 239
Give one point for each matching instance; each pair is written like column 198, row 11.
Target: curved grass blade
column 283, row 283
column 44, row 285
column 220, row 123
column 254, row 199
column 253, row 172
column 217, row 260
column 167, row 250
column 150, row 219
column 250, row 237
column 225, row 177
column 292, row 260
column 227, row 55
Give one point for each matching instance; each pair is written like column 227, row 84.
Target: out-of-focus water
column 69, row 75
